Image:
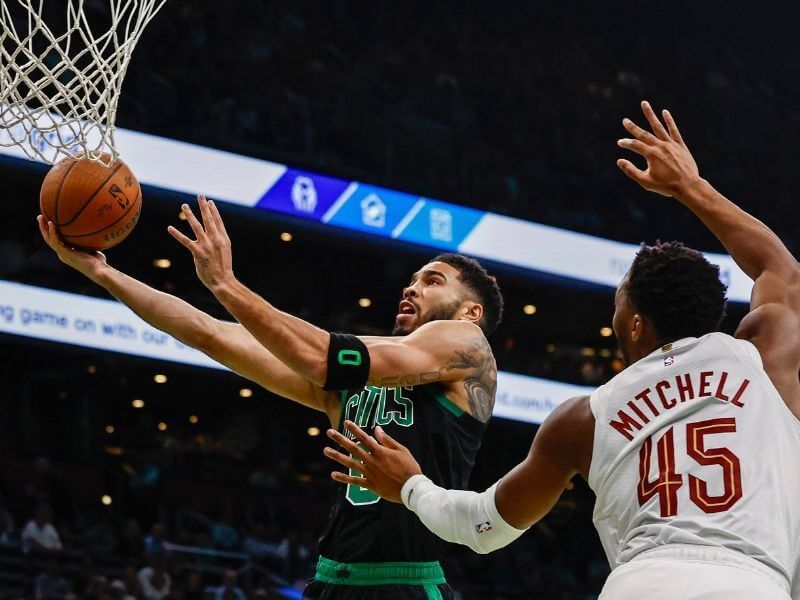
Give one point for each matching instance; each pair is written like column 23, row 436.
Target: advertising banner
column 108, row 325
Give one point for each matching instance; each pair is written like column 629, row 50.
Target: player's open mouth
column 406, row 308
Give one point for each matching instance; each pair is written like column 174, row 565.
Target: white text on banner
column 109, row 325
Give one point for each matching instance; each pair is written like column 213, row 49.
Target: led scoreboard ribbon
column 350, row 206
column 384, row 213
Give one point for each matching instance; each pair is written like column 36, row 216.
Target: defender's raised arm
column 672, row 171
column 773, row 324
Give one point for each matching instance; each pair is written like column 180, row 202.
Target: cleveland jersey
column 694, row 446
column 364, row 528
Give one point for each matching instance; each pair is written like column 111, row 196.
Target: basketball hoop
column 59, row 89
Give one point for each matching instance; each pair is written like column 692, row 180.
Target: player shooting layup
column 432, row 385
column 692, row 450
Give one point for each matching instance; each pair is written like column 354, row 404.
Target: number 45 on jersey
column 668, row 483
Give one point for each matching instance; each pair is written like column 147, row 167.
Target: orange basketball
column 93, row 207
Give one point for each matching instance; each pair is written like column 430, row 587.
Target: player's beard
column 445, row 312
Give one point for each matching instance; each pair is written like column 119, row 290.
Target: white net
column 60, row 80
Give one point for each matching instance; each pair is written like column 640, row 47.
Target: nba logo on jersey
column 483, row 527
column 669, row 360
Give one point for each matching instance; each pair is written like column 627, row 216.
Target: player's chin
column 404, row 324
column 400, row 329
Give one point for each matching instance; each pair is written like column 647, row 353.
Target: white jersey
column 693, row 446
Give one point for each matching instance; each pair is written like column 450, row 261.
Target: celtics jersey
column 443, row 438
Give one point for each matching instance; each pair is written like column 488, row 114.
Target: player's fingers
column 52, row 237
column 56, row 243
column 343, row 459
column 386, row 440
column 638, row 132
column 362, row 436
column 672, row 126
column 40, row 221
column 217, row 218
column 205, row 212
column 348, row 479
column 48, row 233
column 635, row 146
column 655, row 124
column 349, row 445
column 185, row 241
column 193, row 222
column 631, row 171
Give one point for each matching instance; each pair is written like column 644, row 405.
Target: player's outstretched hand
column 385, row 464
column 670, row 166
column 212, row 247
column 88, row 263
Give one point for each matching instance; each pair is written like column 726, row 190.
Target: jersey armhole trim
column 594, row 466
column 745, row 348
column 443, row 400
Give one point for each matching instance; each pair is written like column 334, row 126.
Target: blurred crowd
column 56, row 546
column 511, row 108
column 65, row 547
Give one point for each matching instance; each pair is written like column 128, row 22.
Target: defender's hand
column 88, row 263
column 670, row 166
column 385, row 465
column 212, row 249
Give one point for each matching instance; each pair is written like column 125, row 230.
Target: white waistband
column 714, row 554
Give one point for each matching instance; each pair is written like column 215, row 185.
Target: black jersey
column 364, row 528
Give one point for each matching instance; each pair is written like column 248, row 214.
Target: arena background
column 505, row 109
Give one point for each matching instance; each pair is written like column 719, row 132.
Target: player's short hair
column 477, row 280
column 677, row 289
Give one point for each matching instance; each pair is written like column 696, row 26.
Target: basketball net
column 59, row 88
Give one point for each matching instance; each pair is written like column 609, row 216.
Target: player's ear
column 472, row 311
column 637, row 328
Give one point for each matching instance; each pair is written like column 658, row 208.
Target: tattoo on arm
column 480, row 384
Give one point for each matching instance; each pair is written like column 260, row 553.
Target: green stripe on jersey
column 434, row 390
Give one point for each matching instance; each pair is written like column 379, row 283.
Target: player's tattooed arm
column 480, row 383
column 439, row 351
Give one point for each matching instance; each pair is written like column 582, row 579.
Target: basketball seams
column 130, row 224
column 54, row 216
column 101, row 220
column 89, row 200
column 137, row 201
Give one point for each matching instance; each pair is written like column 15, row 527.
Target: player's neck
column 645, row 349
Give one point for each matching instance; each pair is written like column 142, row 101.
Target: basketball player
column 692, row 450
column 432, row 384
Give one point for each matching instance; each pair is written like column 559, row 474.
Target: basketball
column 93, row 207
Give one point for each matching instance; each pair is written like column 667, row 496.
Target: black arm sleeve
column 348, row 363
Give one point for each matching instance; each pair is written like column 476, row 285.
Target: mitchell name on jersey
column 666, row 394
